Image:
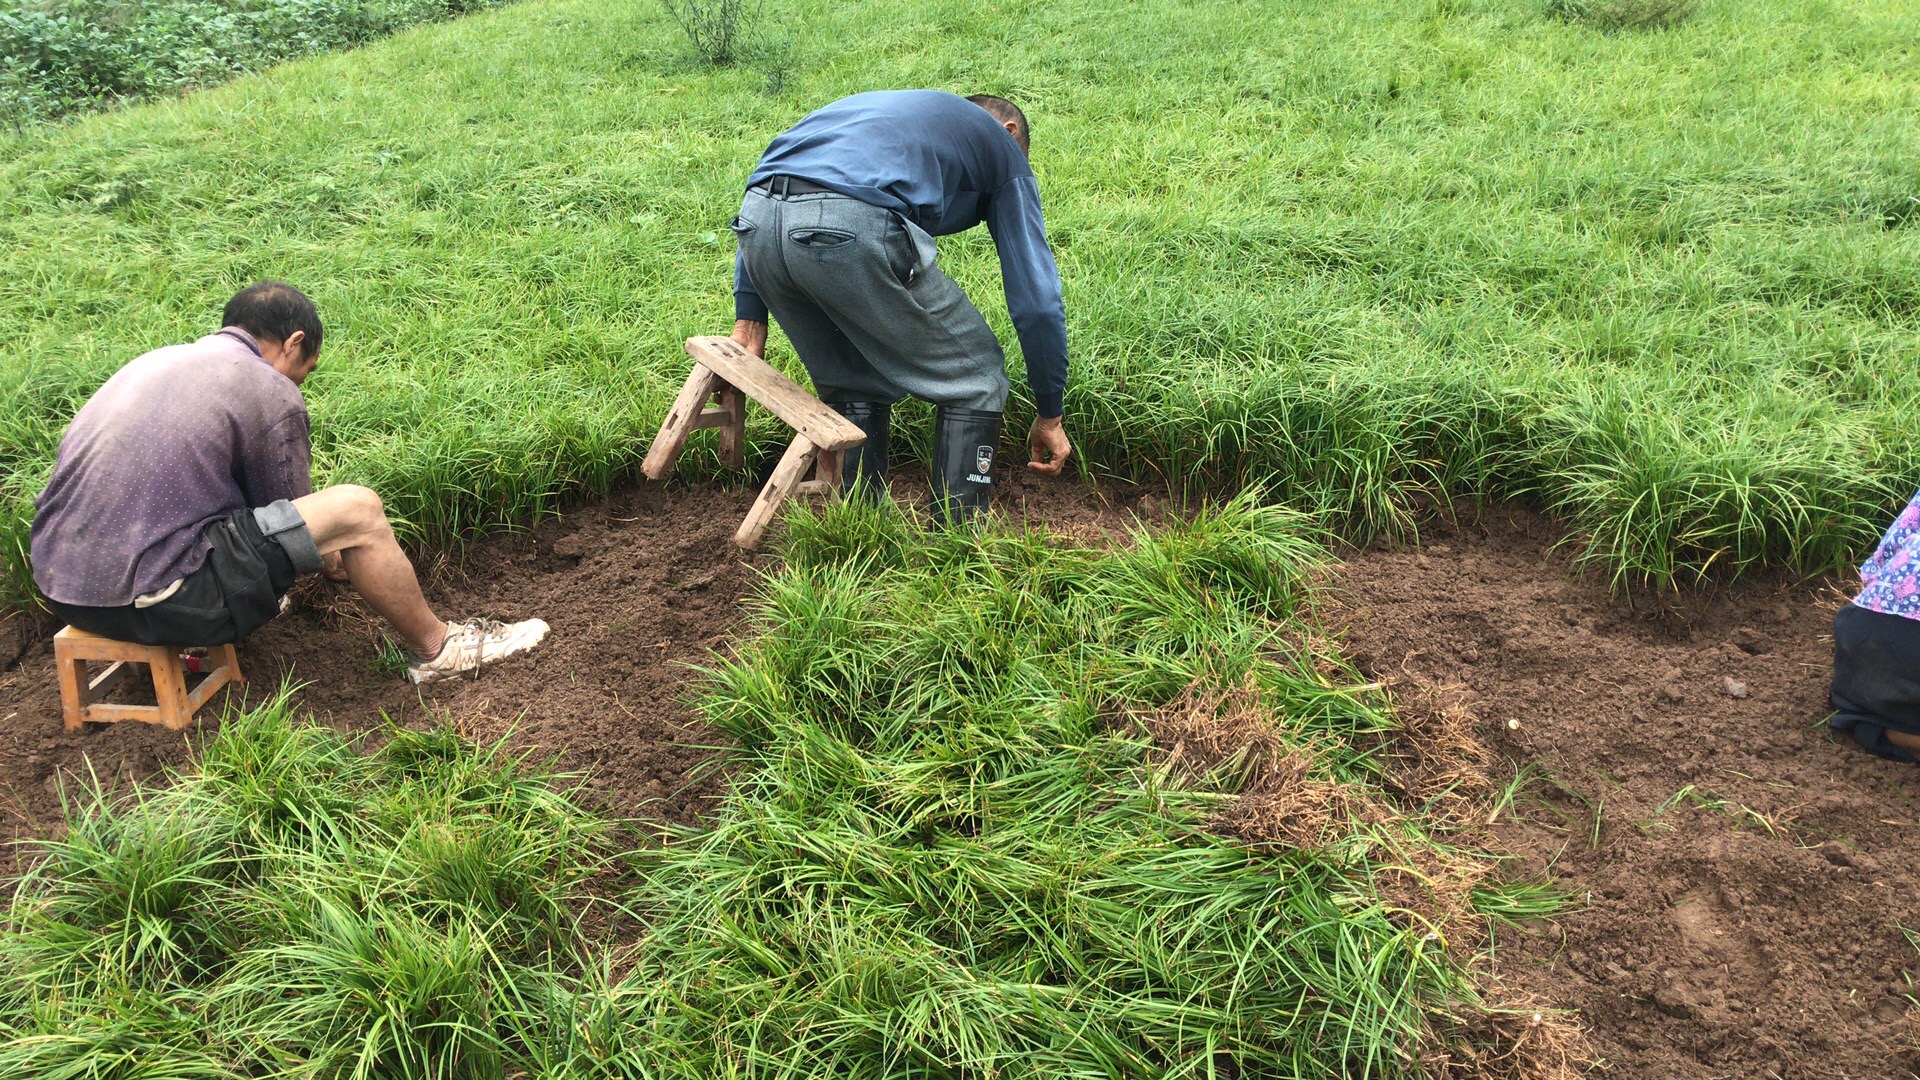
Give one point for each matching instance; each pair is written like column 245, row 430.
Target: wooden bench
column 724, row 375
column 175, row 704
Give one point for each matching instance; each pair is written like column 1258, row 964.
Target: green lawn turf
column 1663, row 281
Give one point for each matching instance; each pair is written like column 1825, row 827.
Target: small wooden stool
column 73, row 647
column 728, row 373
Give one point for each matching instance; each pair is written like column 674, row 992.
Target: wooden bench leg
column 826, row 470
column 681, row 420
column 227, row 657
column 786, row 477
column 733, row 433
column 223, row 669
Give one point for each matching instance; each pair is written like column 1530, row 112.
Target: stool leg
column 786, row 475
column 170, row 693
column 733, row 433
column 227, row 656
column 826, row 470
column 72, row 676
column 679, row 423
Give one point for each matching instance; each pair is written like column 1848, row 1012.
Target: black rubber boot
column 863, row 469
column 965, row 443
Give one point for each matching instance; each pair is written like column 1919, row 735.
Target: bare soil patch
column 1742, row 875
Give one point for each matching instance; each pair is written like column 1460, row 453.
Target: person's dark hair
column 274, row 310
column 1003, row 111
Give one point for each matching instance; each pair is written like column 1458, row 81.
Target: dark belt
column 789, row 185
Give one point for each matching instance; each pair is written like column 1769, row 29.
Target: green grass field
column 1661, row 282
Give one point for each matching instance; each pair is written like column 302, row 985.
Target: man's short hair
column 273, row 310
column 1003, row 111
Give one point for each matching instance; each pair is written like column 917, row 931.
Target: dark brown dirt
column 638, row 589
column 1741, row 875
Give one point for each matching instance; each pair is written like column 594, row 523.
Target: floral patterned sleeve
column 1891, row 577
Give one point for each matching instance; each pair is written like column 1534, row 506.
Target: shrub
column 72, row 55
column 717, row 28
column 1613, row 15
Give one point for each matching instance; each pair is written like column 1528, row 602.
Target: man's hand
column 752, row 337
column 1048, row 444
column 332, row 568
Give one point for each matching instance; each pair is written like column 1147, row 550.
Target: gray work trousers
column 857, row 292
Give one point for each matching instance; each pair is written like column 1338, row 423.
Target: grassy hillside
column 1662, row 281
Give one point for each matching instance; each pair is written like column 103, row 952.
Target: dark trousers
column 233, row 593
column 858, row 292
column 1876, row 678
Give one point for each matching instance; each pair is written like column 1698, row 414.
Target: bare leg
column 352, row 520
column 1909, row 743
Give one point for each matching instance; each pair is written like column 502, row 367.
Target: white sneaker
column 475, row 643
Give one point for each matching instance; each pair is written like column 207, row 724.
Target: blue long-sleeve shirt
column 946, row 165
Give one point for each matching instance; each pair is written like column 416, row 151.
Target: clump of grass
column 390, row 658
column 1625, row 14
column 1225, row 739
column 948, row 855
column 301, row 906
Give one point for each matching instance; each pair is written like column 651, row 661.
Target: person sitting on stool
column 1876, row 647
column 182, row 505
column 836, row 240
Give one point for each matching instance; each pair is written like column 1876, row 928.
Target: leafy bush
column 71, row 55
column 1625, row 14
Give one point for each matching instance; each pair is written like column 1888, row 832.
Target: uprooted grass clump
column 1227, row 739
column 298, row 907
column 953, row 855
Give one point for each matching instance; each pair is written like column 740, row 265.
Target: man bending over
column 182, row 505
column 836, row 240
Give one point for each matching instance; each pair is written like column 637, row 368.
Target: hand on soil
column 1047, row 441
column 332, row 568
